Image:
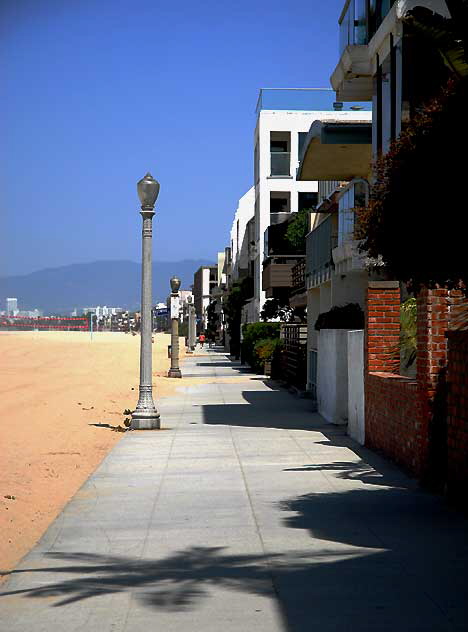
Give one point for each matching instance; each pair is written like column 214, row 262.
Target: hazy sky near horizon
column 95, row 93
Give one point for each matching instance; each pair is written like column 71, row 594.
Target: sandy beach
column 55, row 386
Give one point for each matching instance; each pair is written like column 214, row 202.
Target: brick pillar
column 433, row 315
column 433, row 318
column 382, row 327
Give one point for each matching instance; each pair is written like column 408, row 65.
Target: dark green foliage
column 253, row 333
column 414, row 217
column 297, row 230
column 349, row 316
column 274, row 308
column 408, row 332
column 232, row 308
column 212, row 319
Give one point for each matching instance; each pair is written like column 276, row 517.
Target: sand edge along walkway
column 54, row 386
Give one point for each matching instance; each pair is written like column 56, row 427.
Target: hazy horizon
column 201, row 260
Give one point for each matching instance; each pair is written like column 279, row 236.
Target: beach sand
column 54, row 386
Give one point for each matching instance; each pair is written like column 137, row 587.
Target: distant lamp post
column 174, row 371
column 190, row 324
column 145, row 416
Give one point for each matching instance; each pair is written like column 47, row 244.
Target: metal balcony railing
column 319, row 246
column 281, row 163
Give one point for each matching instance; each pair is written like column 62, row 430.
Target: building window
column 306, row 200
column 280, row 202
column 280, row 154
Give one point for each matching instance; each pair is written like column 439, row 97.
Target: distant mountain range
column 111, row 283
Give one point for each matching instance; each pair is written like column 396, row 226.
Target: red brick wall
column 393, row 409
column 457, row 414
column 415, row 422
column 383, row 326
column 393, row 418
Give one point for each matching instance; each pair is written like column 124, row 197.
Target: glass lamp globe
column 175, row 284
column 148, row 190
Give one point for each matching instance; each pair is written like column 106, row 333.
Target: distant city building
column 30, row 313
column 101, row 312
column 12, row 306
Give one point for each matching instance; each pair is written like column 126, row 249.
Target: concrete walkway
column 246, row 513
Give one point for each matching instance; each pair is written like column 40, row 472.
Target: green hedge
column 253, row 333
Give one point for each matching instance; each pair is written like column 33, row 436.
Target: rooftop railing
column 304, row 99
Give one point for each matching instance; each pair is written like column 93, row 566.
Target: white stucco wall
column 356, row 425
column 332, row 375
column 245, row 211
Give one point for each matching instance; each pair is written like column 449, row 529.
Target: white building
column 205, row 281
column 12, row 306
column 284, row 118
column 240, row 245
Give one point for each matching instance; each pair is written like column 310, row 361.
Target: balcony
column 279, row 218
column 337, row 151
column 346, row 256
column 280, row 164
column 277, row 274
column 298, row 297
column 352, row 77
column 319, row 246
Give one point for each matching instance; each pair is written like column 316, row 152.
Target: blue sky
column 97, row 92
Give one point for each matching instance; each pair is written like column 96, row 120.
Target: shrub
column 297, row 230
column 266, row 348
column 349, row 316
column 408, row 331
column 253, row 333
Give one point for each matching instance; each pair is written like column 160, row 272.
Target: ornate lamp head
column 175, row 284
column 148, row 190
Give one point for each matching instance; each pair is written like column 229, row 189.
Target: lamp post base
column 174, row 373
column 145, row 420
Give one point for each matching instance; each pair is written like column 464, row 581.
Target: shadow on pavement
column 381, row 560
column 265, row 409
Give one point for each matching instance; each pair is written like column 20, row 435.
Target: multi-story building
column 240, row 243
column 284, row 118
column 381, row 61
column 12, row 306
column 205, row 281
